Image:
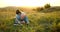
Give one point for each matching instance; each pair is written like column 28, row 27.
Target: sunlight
column 28, row 3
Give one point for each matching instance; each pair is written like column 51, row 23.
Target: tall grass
column 39, row 22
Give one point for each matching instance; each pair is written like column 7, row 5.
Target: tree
column 47, row 6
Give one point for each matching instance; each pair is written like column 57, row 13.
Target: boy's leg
column 19, row 22
column 16, row 22
column 26, row 20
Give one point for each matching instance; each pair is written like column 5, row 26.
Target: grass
column 39, row 22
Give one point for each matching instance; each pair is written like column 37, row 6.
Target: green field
column 39, row 22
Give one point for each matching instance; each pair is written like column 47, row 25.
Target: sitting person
column 21, row 18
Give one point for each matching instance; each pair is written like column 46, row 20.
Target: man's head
column 18, row 12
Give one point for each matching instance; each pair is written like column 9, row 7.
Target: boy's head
column 18, row 12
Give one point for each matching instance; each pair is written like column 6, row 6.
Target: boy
column 21, row 18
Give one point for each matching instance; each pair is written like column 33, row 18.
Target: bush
column 40, row 9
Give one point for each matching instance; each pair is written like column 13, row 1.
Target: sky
column 32, row 3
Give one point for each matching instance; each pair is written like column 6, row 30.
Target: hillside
column 52, row 9
column 27, row 9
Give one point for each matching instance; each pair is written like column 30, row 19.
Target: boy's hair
column 17, row 12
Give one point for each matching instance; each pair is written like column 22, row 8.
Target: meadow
column 39, row 21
